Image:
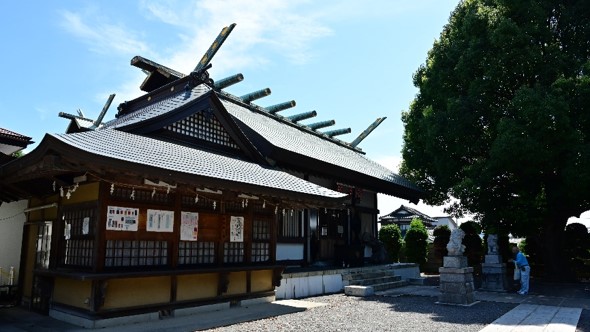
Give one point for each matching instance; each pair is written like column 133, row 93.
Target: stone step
column 361, row 291
column 368, row 275
column 373, row 281
column 417, row 281
column 389, row 285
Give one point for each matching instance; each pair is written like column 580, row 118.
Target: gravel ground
column 584, row 322
column 405, row 313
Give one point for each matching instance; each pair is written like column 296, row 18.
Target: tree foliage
column 442, row 235
column 473, row 243
column 502, row 117
column 416, row 241
column 577, row 244
column 391, row 237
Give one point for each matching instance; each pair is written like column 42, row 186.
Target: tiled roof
column 294, row 139
column 159, row 108
column 138, row 149
column 14, row 136
column 411, row 214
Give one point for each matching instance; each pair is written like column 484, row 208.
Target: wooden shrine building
column 190, row 196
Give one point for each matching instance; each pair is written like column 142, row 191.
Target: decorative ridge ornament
column 198, row 77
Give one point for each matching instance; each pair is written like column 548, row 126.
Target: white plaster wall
column 292, row 251
column 12, row 220
column 293, row 288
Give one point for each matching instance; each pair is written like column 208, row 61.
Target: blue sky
column 351, row 61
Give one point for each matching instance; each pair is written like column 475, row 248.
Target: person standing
column 525, row 270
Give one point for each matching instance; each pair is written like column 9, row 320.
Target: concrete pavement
column 558, row 311
column 534, row 317
column 535, row 312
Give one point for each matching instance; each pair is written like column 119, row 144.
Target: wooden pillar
column 100, row 227
column 307, row 238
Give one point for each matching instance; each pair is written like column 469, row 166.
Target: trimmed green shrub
column 391, row 237
column 416, row 242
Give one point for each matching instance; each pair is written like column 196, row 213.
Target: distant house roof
column 11, row 142
column 449, row 219
column 404, row 215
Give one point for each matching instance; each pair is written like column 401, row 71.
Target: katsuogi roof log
column 228, row 81
column 280, row 107
column 332, row 133
column 247, row 98
column 322, row 124
column 302, row 116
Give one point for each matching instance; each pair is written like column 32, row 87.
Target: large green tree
column 502, row 117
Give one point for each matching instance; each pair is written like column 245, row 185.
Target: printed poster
column 122, row 219
column 189, row 226
column 160, row 221
column 236, row 229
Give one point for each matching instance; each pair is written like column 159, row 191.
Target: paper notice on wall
column 122, row 219
column 67, row 231
column 236, row 229
column 160, row 221
column 85, row 225
column 189, row 226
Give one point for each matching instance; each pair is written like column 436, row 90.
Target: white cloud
column 42, row 113
column 264, row 28
column 391, row 162
column 127, row 90
column 101, row 36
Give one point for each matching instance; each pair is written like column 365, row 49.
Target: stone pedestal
column 456, row 281
column 494, row 274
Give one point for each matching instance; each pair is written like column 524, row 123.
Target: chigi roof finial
column 199, row 74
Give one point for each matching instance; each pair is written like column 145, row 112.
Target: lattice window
column 143, row 196
column 203, row 203
column 260, row 252
column 78, row 246
column 291, row 224
column 204, row 126
column 261, row 230
column 260, row 241
column 238, row 207
column 233, row 252
column 190, row 253
column 43, row 251
column 78, row 252
column 124, row 253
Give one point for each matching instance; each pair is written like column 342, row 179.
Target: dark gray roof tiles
column 133, row 148
column 296, row 140
column 159, row 108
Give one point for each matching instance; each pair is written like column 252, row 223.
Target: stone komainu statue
column 492, row 244
column 455, row 246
